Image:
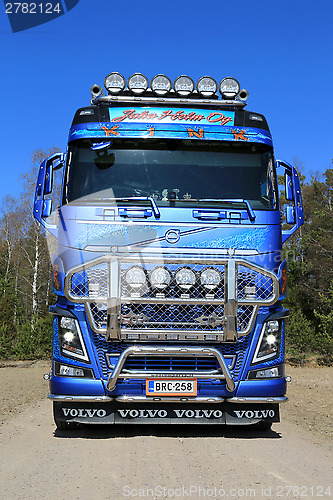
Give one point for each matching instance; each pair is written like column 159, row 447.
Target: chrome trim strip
column 170, row 399
column 107, row 99
column 169, row 351
column 79, row 399
column 217, row 251
column 174, row 372
column 278, row 399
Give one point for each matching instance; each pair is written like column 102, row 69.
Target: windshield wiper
column 250, row 211
column 139, row 198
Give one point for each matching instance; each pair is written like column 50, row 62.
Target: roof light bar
column 114, row 83
column 206, row 86
column 161, row 84
column 229, row 88
column 138, row 83
column 183, row 85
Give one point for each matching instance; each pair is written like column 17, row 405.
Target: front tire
column 263, row 425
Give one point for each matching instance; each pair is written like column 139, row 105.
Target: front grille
column 108, row 353
column 147, row 312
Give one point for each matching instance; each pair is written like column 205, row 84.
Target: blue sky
column 280, row 51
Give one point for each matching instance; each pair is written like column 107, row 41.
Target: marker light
column 210, row 278
column 160, row 278
column 206, row 86
column 183, row 85
column 229, row 88
column 114, row 83
column 185, row 278
column 138, row 83
column 161, row 84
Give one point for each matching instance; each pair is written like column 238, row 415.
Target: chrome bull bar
column 118, row 372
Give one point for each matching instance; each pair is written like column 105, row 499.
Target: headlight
column 185, row 278
column 206, row 86
column 138, row 83
column 161, row 84
column 114, row 83
column 70, row 339
column 160, row 278
column 183, row 85
column 210, row 278
column 229, row 88
column 135, row 277
column 269, row 342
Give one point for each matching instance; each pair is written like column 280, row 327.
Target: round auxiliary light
column 229, row 88
column 185, row 278
column 161, row 84
column 138, row 83
column 160, row 278
column 210, row 278
column 206, row 86
column 183, row 85
column 114, row 83
column 135, row 277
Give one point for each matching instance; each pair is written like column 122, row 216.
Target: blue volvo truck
column 167, row 257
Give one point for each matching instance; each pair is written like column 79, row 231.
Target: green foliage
column 34, row 342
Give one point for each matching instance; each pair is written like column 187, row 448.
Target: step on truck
column 166, row 252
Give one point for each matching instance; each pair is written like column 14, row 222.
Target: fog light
column 229, row 88
column 70, row 371
column 135, row 277
column 114, row 83
column 160, row 278
column 183, row 85
column 138, row 83
column 63, row 370
column 185, row 278
column 273, row 372
column 161, row 84
column 206, row 86
column 210, row 278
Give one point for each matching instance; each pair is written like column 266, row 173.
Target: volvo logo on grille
column 172, row 236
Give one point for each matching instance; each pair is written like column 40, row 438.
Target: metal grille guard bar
column 167, row 351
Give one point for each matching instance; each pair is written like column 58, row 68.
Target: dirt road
column 290, row 461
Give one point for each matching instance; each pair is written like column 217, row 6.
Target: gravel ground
column 310, row 393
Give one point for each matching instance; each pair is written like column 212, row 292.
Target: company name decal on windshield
column 141, row 115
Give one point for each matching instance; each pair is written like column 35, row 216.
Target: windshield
column 173, row 172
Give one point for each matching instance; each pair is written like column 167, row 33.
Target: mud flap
column 247, row 414
column 164, row 413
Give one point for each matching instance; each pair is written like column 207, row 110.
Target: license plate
column 171, row 387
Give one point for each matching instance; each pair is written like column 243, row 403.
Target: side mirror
column 43, row 208
column 294, row 214
column 290, row 215
column 47, row 209
column 48, row 179
column 288, row 187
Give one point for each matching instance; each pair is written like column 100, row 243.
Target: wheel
column 263, row 426
column 62, row 425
